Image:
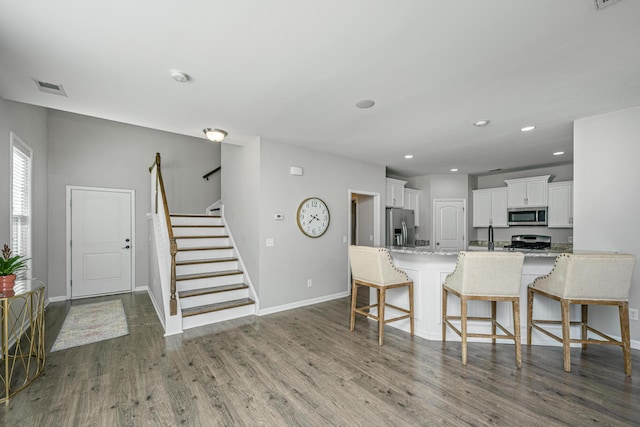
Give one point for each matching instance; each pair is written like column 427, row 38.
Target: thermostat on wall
column 278, row 217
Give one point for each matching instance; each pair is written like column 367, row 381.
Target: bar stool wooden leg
column 493, row 321
column 463, row 326
column 584, row 322
column 381, row 303
column 411, row 307
column 516, row 331
column 354, row 298
column 445, row 294
column 566, row 337
column 529, row 316
column 624, row 332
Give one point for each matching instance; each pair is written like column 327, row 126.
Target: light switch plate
column 270, row 242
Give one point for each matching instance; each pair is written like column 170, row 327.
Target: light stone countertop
column 426, row 250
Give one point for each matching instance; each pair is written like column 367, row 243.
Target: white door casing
column 449, row 225
column 100, row 245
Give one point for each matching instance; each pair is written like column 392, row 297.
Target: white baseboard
column 57, row 299
column 139, row 288
column 304, row 303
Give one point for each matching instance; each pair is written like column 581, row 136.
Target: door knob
column 126, row 247
column 126, row 240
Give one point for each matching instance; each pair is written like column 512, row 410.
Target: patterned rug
column 90, row 323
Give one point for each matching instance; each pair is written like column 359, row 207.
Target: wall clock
column 313, row 217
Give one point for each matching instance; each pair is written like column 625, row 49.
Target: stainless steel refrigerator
column 401, row 229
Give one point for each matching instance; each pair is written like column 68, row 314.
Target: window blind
column 21, row 202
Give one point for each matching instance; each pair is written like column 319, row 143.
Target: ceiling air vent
column 47, row 87
column 602, row 3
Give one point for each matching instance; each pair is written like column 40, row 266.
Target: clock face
column 313, row 217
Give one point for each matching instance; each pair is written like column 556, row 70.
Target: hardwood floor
column 304, row 367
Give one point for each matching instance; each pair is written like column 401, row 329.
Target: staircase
column 209, row 282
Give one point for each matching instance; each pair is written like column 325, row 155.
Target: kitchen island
column 428, row 270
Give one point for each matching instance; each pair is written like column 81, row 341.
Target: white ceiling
column 292, row 70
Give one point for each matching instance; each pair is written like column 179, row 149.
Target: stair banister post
column 173, row 302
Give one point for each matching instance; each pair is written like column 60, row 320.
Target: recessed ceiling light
column 481, row 123
column 408, row 156
column 454, row 170
column 527, row 128
column 558, row 153
column 179, row 76
column 365, row 103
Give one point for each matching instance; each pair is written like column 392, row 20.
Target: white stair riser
column 199, row 231
column 209, row 282
column 212, row 254
column 213, row 298
column 218, row 316
column 184, row 220
column 210, row 267
column 198, row 243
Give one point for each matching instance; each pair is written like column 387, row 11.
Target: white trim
column 376, row 225
column 132, row 193
column 57, row 299
column 139, row 288
column 304, row 303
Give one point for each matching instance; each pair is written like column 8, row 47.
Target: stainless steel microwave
column 527, row 216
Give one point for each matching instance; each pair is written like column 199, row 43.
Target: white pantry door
column 101, row 242
column 449, row 225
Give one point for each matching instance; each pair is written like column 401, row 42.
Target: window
column 21, row 165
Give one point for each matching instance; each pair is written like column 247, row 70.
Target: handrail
column 207, row 175
column 173, row 246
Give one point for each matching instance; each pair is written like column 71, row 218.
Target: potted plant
column 9, row 266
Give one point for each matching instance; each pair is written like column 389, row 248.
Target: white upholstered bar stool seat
column 585, row 279
column 374, row 268
column 484, row 276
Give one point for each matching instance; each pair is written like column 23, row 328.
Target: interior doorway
column 364, row 223
column 449, row 225
column 100, row 241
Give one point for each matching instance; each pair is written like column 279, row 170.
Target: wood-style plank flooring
column 304, row 367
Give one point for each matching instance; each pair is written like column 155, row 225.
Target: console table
column 22, row 336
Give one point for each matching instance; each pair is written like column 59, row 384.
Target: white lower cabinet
column 560, row 204
column 490, row 207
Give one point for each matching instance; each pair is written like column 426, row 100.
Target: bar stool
column 484, row 276
column 585, row 279
column 373, row 268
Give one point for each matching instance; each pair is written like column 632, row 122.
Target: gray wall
column 30, row 124
column 283, row 270
column 606, row 189
column 87, row 151
column 365, row 225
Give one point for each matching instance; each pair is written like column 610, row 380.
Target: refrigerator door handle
column 405, row 233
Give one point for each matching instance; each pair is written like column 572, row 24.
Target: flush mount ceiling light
column 365, row 103
column 179, row 76
column 481, row 123
column 408, row 156
column 214, row 135
column 527, row 128
column 558, row 153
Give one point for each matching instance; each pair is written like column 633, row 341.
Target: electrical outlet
column 310, row 283
column 570, row 239
column 633, row 314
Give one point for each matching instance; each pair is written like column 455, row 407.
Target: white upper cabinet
column 490, row 207
column 412, row 201
column 528, row 192
column 561, row 204
column 395, row 193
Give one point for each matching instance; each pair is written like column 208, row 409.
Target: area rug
column 91, row 323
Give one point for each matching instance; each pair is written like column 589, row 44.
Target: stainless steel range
column 529, row 242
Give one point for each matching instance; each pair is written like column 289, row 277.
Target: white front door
column 101, row 242
column 449, row 225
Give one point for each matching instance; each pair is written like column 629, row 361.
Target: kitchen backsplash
column 560, row 247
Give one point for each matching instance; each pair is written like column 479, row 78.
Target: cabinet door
column 517, row 195
column 412, row 201
column 536, row 193
column 395, row 193
column 561, row 205
column 481, row 208
column 499, row 205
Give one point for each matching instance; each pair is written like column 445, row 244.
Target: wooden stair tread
column 192, row 311
column 200, row 237
column 205, row 261
column 193, row 216
column 212, row 290
column 208, row 275
column 205, row 248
